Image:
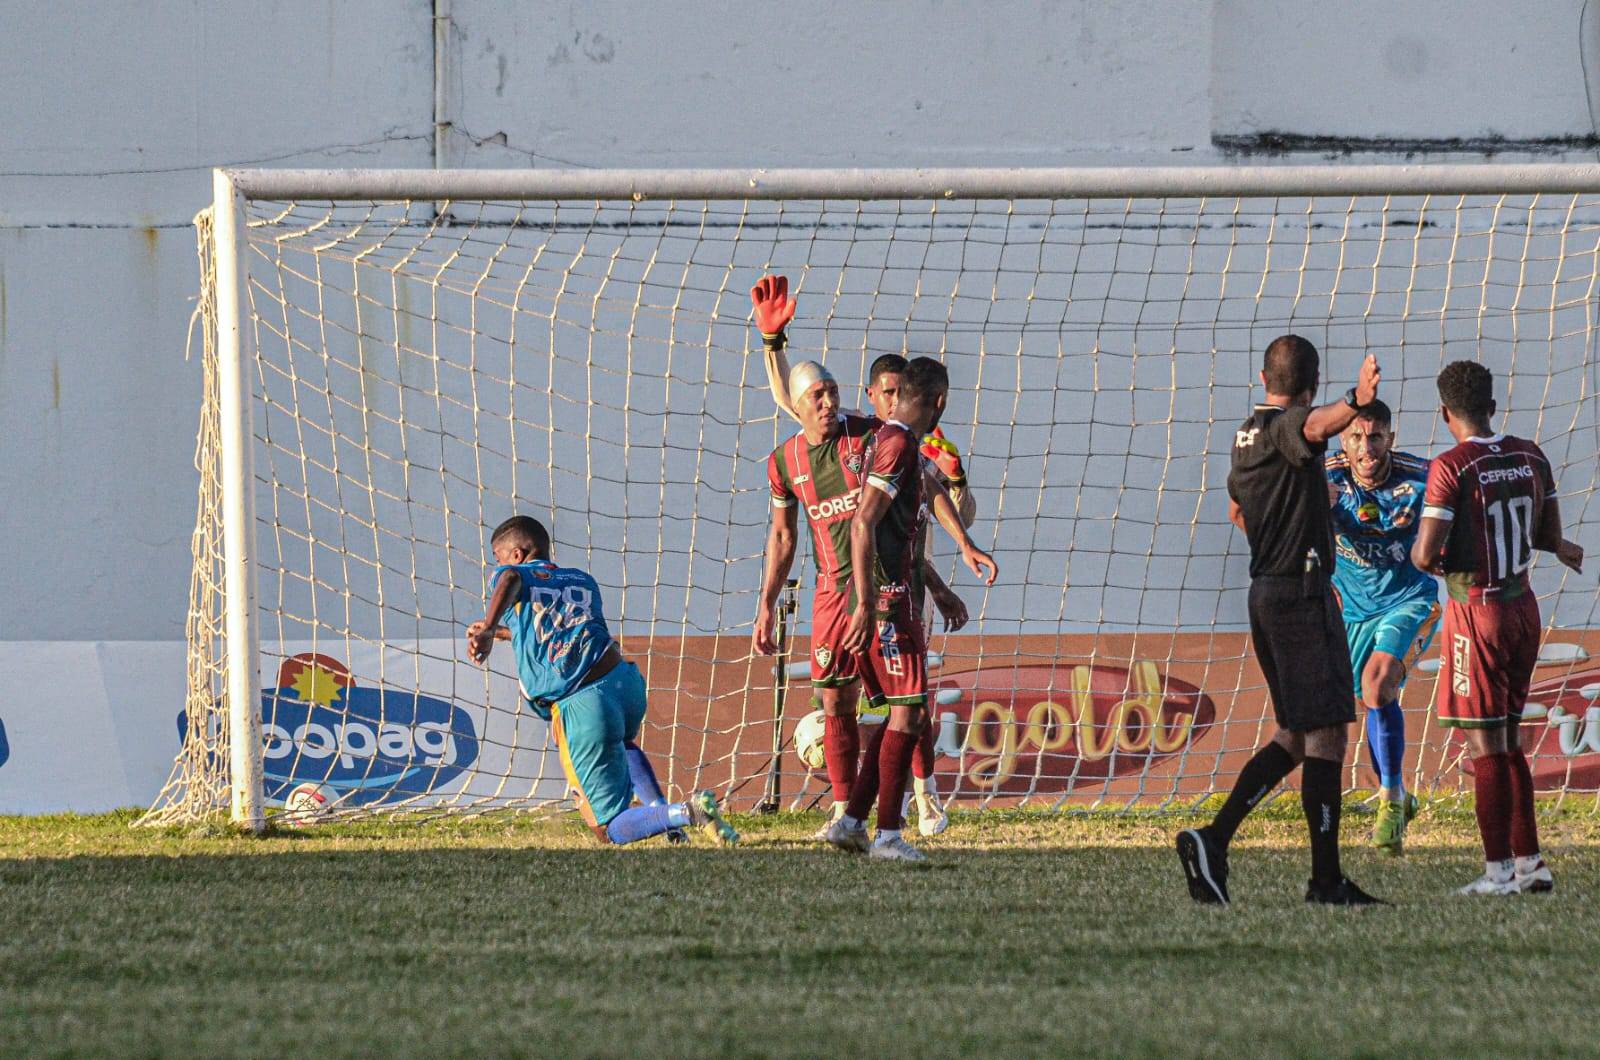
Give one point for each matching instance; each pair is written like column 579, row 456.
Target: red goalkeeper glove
column 942, row 452
column 774, row 308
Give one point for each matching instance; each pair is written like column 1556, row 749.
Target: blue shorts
column 1405, row 632
column 591, row 726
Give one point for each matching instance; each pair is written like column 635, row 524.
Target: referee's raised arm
column 1331, row 419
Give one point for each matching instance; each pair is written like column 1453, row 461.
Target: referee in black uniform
column 1278, row 495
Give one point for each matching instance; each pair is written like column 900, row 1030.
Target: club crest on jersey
column 1402, row 518
column 854, row 462
column 1367, row 512
column 824, row 655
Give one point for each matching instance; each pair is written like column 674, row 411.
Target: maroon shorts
column 830, row 615
column 1486, row 658
column 894, row 668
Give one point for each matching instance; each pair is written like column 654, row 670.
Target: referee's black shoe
column 1205, row 864
column 1345, row 892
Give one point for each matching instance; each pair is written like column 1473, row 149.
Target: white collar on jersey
column 903, row 426
column 1491, row 440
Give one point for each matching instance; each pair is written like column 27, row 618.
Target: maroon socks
column 841, row 747
column 894, row 762
column 1491, row 781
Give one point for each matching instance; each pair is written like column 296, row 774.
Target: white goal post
column 396, row 360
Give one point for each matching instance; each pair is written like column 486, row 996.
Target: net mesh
column 420, row 372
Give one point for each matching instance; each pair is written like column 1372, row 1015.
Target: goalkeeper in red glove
column 949, row 499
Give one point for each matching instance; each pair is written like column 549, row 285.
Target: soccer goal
column 395, row 361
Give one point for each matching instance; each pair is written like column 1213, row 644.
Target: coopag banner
column 380, row 726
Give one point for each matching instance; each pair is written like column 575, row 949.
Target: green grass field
column 1030, row 934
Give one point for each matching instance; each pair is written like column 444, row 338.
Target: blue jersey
column 557, row 630
column 1372, row 534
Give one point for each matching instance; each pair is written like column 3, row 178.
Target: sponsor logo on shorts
column 833, row 506
column 894, row 662
column 1460, row 664
column 368, row 745
column 1015, row 729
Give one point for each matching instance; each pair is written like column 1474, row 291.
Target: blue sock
column 639, row 822
column 1386, row 738
column 645, row 785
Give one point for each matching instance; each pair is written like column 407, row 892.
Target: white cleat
column 931, row 818
column 895, row 848
column 850, row 840
column 821, row 834
column 1538, row 881
column 1492, row 884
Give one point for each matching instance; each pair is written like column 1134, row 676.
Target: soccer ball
column 808, row 739
column 306, row 804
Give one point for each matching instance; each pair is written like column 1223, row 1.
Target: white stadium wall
column 112, row 116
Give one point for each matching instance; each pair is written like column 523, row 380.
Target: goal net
column 395, row 362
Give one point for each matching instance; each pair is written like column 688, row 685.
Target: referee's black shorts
column 1300, row 644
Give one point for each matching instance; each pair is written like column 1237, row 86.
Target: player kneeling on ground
column 1491, row 501
column 573, row 675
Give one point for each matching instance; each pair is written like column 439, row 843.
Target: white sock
column 1499, row 871
column 905, row 804
column 888, row 835
column 1531, row 863
column 928, row 786
column 837, row 811
column 852, row 823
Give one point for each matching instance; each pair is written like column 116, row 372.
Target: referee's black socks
column 1319, row 794
column 1265, row 771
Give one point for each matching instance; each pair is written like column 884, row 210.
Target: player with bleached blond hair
column 822, row 470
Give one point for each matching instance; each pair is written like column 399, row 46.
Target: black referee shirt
column 1278, row 480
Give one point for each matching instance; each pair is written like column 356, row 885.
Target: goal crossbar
column 1107, row 182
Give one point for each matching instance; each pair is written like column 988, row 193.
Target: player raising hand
column 821, row 470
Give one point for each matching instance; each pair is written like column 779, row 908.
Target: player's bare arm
column 951, row 607
column 944, row 510
column 482, row 635
column 1427, row 551
column 1328, row 420
column 1235, row 514
column 780, row 558
column 863, row 558
column 774, row 310
column 500, row 632
column 1548, row 537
